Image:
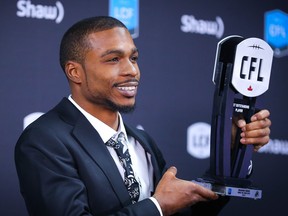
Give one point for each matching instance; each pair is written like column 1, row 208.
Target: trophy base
column 229, row 190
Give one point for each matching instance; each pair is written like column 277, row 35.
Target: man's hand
column 174, row 194
column 257, row 131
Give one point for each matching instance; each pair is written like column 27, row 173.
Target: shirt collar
column 104, row 130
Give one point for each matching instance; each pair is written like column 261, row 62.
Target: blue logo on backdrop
column 276, row 30
column 127, row 11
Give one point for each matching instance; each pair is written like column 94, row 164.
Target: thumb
column 172, row 170
column 241, row 123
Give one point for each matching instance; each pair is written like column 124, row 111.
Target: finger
column 241, row 123
column 260, row 115
column 258, row 141
column 261, row 132
column 255, row 141
column 172, row 170
column 259, row 124
column 205, row 193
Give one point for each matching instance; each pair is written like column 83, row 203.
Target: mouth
column 128, row 88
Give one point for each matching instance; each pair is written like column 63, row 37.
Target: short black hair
column 74, row 43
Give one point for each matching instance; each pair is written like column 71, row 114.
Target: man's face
column 111, row 72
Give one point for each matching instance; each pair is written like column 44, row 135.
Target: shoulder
column 139, row 134
column 53, row 125
column 63, row 114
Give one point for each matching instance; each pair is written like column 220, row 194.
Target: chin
column 122, row 108
column 126, row 109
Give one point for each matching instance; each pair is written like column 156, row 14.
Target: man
column 63, row 164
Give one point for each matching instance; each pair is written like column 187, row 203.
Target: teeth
column 128, row 88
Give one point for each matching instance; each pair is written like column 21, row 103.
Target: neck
column 105, row 115
column 110, row 118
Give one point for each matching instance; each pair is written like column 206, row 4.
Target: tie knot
column 121, row 137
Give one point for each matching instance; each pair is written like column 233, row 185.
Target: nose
column 130, row 68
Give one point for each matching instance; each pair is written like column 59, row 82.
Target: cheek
column 101, row 84
column 93, row 77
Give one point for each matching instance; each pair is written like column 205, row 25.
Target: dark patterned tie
column 129, row 179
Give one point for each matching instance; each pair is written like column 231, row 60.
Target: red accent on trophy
column 250, row 88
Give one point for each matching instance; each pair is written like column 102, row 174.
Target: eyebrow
column 118, row 51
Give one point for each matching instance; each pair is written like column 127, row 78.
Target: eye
column 134, row 58
column 116, row 59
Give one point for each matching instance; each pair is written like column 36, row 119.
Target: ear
column 74, row 71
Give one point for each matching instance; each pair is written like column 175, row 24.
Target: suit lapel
column 90, row 140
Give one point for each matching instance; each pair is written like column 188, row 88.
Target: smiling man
column 106, row 80
column 81, row 159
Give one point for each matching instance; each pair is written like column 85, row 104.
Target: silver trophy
column 241, row 74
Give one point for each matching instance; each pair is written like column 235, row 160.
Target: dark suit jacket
column 64, row 168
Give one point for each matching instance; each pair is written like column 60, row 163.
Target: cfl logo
column 252, row 67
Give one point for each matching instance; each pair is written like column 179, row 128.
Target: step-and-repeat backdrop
column 177, row 40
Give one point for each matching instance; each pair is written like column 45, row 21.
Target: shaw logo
column 276, row 147
column 29, row 10
column 190, row 24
